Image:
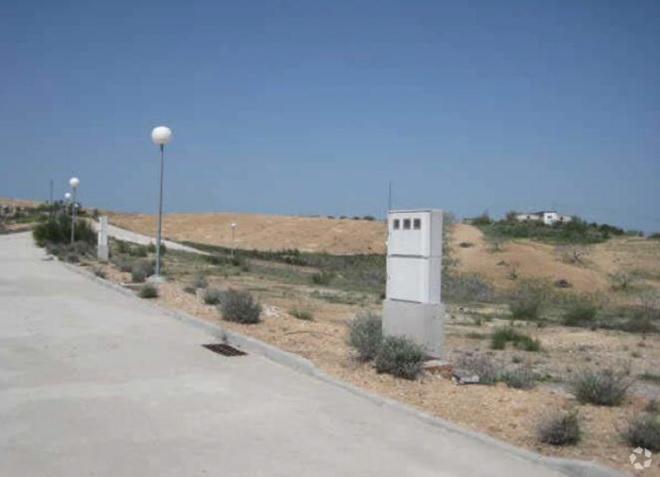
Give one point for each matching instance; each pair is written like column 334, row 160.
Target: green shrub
column 148, row 291
column 122, row 247
column 57, row 229
column 400, row 357
column 650, row 377
column 502, row 336
column 580, row 313
column 216, row 259
column 365, row 335
column 301, row 314
column 526, row 343
column 560, row 429
column 125, row 265
column 212, row 296
column 241, row 307
column 641, row 321
column 138, row 250
column 527, row 300
column 199, row 281
column 322, row 278
column 140, row 270
column 644, row 431
column 190, row 290
column 71, row 253
column 151, row 248
column 525, row 307
column 519, row 378
column 604, row 387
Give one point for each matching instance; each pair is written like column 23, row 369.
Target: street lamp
column 74, row 182
column 67, row 200
column 160, row 136
column 233, row 243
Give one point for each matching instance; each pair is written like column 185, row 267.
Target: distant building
column 548, row 217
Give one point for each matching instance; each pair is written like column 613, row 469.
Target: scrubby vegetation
column 519, row 378
column 644, row 431
column 459, row 288
column 57, row 230
column 365, row 335
column 141, row 269
column 580, row 313
column 302, row 314
column 72, row 253
column 323, row 277
column 601, row 387
column 481, row 365
column 241, row 307
column 199, row 281
column 356, row 273
column 577, row 231
column 148, row 291
column 527, row 299
column 400, row 357
column 502, row 336
column 212, row 296
column 560, row 429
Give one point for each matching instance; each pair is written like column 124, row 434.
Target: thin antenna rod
column 389, row 196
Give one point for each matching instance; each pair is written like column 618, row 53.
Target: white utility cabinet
column 413, row 306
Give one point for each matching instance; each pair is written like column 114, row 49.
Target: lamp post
column 67, row 200
column 74, row 182
column 160, row 136
column 233, row 243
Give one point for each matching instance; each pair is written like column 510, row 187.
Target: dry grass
column 516, row 260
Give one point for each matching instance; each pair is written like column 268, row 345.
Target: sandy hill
column 265, row 232
column 18, row 202
column 526, row 259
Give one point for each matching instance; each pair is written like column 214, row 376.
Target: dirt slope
column 525, row 258
column 265, row 232
column 18, row 202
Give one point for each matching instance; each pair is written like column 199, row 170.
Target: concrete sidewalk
column 94, row 383
column 134, row 237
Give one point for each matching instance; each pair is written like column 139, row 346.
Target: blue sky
column 311, row 107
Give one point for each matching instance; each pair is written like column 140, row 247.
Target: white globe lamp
column 161, row 135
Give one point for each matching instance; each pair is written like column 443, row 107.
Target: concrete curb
column 569, row 467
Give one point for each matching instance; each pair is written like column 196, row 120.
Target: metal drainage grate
column 224, row 349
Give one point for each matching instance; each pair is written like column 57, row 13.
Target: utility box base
column 421, row 322
column 103, row 253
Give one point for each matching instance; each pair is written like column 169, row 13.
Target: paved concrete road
column 96, row 383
